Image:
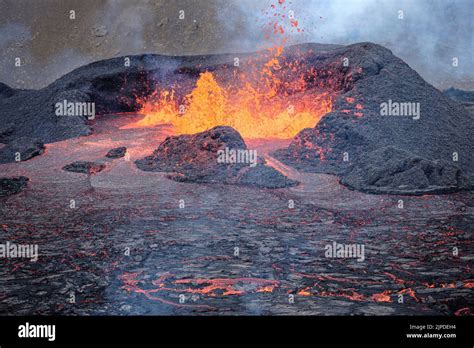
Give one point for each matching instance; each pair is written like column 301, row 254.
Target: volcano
column 215, row 184
column 326, row 97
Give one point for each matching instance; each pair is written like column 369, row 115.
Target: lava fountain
column 272, row 97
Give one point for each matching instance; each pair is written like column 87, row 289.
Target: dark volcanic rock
column 33, row 114
column 26, row 147
column 6, row 130
column 11, row 186
column 394, row 171
column 117, row 152
column 321, row 149
column 464, row 97
column 6, row 91
column 356, row 127
column 84, row 167
column 194, row 158
column 264, row 176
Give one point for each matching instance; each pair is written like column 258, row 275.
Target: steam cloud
column 430, row 35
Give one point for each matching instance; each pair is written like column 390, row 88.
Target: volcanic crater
column 326, row 97
column 237, row 239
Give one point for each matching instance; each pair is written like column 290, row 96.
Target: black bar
column 239, row 330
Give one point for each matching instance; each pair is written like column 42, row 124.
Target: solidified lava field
column 137, row 243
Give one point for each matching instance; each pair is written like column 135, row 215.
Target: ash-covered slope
column 347, row 141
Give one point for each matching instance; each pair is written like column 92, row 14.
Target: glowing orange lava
column 382, row 297
column 265, row 96
column 270, row 100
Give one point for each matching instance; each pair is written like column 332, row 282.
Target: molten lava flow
column 263, row 103
column 201, row 286
column 252, row 112
column 382, row 297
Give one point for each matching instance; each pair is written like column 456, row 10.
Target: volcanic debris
column 194, row 158
column 20, row 149
column 84, row 167
column 117, row 152
column 394, row 171
column 10, row 186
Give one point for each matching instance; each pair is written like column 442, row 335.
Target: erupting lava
column 269, row 96
column 264, row 103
